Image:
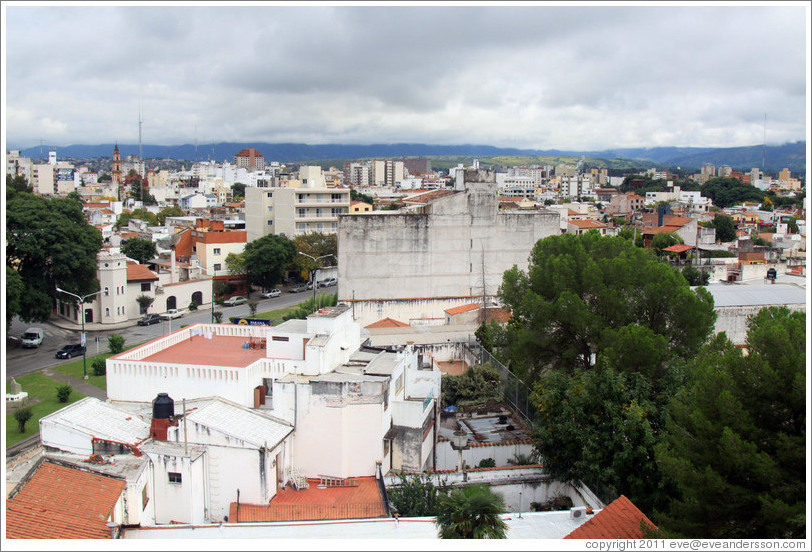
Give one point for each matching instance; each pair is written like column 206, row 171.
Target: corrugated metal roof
column 102, row 421
column 732, row 295
column 242, row 423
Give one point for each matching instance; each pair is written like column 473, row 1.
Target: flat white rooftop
column 738, row 295
column 531, row 525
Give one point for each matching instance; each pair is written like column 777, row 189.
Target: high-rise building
column 250, row 159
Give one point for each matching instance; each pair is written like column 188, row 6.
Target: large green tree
column 266, row 259
column 14, row 292
column 238, row 191
column 315, row 244
column 172, row 211
column 140, row 249
column 18, row 183
column 49, row 244
column 579, row 291
column 471, row 512
column 736, row 436
column 141, row 214
column 724, row 191
column 725, row 227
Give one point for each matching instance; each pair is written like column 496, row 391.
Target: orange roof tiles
column 59, row 502
column 620, row 520
column 362, row 500
column 387, row 323
column 463, row 308
column 678, row 248
column 139, row 273
column 582, row 224
column 428, row 196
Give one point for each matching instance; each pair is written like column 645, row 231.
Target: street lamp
column 82, row 314
column 315, row 271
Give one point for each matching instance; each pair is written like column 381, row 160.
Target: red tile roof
column 678, row 248
column 463, row 308
column 582, row 224
column 59, row 502
column 139, row 273
column 387, row 323
column 361, row 500
column 620, row 520
column 428, row 196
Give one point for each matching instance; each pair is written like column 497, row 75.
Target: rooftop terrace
column 215, row 351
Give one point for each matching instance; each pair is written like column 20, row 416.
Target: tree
column 266, row 258
column 416, row 496
column 315, row 244
column 139, row 249
column 14, row 291
column 471, row 512
column 736, row 436
column 172, row 211
column 115, row 343
column 252, row 307
column 22, row 415
column 724, row 191
column 141, row 214
column 18, row 183
column 579, row 290
column 74, row 195
column 144, row 302
column 218, row 315
column 235, row 263
column 664, row 239
column 139, row 188
column 49, row 243
column 695, row 277
column 238, row 191
column 476, row 385
column 725, row 227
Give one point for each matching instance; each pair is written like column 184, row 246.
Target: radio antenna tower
column 195, row 142
column 140, row 156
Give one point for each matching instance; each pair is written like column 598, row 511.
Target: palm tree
column 472, row 512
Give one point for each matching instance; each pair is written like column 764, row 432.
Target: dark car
column 70, row 351
column 150, row 319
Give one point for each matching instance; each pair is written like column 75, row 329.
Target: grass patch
column 277, row 314
column 36, row 385
column 75, row 370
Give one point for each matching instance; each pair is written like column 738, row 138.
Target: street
column 20, row 362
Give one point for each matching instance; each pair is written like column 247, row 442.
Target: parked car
column 272, row 293
column 328, row 282
column 309, row 285
column 71, row 350
column 150, row 319
column 234, row 301
column 171, row 314
column 298, row 288
column 32, row 338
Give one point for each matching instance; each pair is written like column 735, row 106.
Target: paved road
column 20, row 361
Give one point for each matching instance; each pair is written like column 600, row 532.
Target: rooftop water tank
column 163, row 407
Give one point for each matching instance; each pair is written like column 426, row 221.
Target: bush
column 99, row 367
column 477, row 385
column 115, row 343
column 309, row 306
column 193, row 306
column 487, row 463
column 63, row 393
column 218, row 315
column 22, row 415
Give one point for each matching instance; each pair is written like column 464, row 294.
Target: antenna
column 195, row 142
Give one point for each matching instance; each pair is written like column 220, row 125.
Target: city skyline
column 528, row 76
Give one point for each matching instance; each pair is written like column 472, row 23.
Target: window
column 217, row 266
column 279, row 338
column 270, row 194
column 270, row 223
column 175, row 477
column 106, row 292
column 216, row 250
column 107, row 311
column 145, row 286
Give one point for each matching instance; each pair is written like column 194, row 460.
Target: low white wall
column 448, row 458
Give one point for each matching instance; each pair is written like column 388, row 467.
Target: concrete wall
column 182, row 502
column 448, row 458
column 460, row 245
column 734, row 321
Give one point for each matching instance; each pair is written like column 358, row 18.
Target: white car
column 171, row 314
column 272, row 293
column 234, row 301
column 328, row 282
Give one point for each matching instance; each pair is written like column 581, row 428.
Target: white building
column 294, row 211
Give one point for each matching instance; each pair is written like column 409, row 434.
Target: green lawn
column 36, row 385
column 74, row 369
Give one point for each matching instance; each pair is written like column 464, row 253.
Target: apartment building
column 250, row 159
column 376, row 172
column 294, row 211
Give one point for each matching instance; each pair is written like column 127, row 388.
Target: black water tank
column 163, row 407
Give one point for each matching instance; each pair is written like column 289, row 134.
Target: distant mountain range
column 791, row 156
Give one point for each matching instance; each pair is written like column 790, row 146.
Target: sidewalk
column 79, row 385
column 89, row 326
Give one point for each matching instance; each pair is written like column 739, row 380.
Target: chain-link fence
column 514, row 391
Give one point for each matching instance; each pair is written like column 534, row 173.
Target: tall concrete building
column 450, row 251
column 250, row 159
column 293, row 211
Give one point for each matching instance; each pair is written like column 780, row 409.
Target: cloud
column 566, row 77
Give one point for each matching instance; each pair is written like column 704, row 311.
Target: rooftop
column 619, row 520
column 463, row 308
column 733, row 295
column 251, row 426
column 139, row 273
column 387, row 323
column 103, row 421
column 215, row 351
column 359, row 499
column 59, row 502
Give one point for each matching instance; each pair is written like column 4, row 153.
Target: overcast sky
column 531, row 76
